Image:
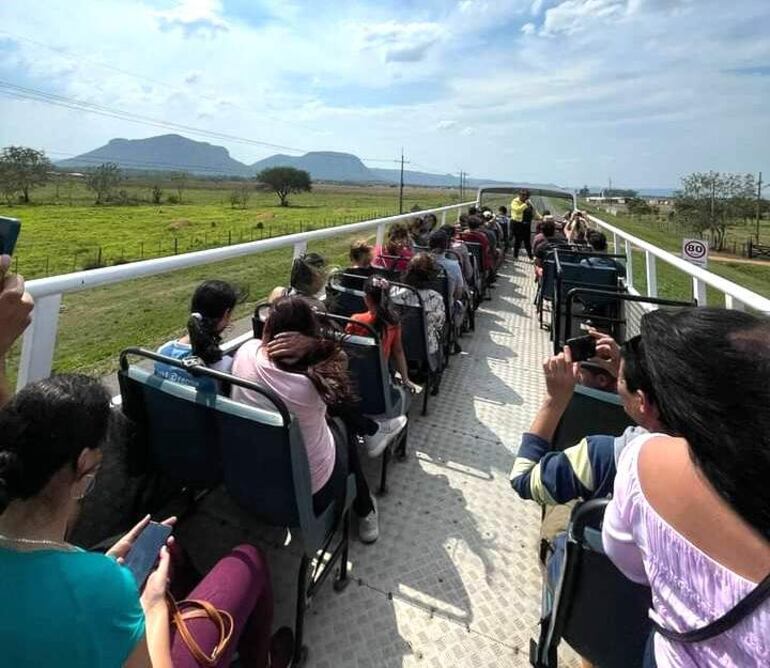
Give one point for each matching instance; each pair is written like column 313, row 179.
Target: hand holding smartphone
column 582, row 348
column 145, row 551
column 9, row 234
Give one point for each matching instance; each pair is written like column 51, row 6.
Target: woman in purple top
column 690, row 514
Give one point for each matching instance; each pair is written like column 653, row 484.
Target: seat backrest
column 174, row 427
column 589, row 412
column 441, row 285
column 369, row 373
column 601, row 614
column 548, row 281
column 414, row 327
column 477, row 252
column 345, row 294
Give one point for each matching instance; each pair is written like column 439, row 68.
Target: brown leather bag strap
column 201, row 610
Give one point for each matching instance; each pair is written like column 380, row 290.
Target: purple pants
column 240, row 584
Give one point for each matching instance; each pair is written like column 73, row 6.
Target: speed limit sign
column 695, row 251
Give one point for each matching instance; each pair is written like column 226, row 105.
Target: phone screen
column 9, row 233
column 145, row 551
column 582, row 348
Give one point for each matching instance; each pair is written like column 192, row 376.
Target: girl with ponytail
column 210, row 312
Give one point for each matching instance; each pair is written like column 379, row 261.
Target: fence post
column 629, row 265
column 176, row 245
column 652, row 276
column 380, row 234
column 443, row 218
column 46, row 265
column 699, row 291
column 39, row 341
column 733, row 303
column 229, row 237
column 141, row 250
column 615, row 245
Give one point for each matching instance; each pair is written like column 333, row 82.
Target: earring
column 88, row 488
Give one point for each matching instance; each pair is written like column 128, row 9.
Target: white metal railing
column 735, row 296
column 40, row 338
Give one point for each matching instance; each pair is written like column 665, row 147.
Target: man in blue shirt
column 438, row 244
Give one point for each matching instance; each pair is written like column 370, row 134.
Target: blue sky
column 563, row 91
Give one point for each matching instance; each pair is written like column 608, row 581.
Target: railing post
column 699, row 291
column 732, row 303
column 39, row 341
column 380, row 234
column 629, row 265
column 652, row 276
column 299, row 249
column 615, row 244
column 443, row 218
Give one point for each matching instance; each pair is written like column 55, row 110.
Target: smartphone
column 144, row 553
column 582, row 348
column 9, row 234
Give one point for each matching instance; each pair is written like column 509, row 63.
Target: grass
column 95, row 325
column 674, row 284
column 71, row 233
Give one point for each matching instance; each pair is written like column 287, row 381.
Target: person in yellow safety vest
column 522, row 213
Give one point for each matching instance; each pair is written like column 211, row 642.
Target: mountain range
column 177, row 153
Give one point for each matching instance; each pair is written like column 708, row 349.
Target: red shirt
column 388, row 336
column 404, row 254
column 479, row 237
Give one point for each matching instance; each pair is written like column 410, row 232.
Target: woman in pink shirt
column 690, row 515
column 397, row 250
column 308, row 383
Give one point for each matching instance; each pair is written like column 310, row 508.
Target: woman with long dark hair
column 397, row 250
column 63, row 606
column 690, row 514
column 211, row 309
column 308, row 383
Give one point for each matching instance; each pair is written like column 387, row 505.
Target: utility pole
column 401, row 186
column 462, row 189
column 759, row 204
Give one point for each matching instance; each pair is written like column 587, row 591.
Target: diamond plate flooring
column 453, row 579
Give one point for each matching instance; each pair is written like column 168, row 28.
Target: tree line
column 22, row 169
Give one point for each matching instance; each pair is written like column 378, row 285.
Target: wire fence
column 104, row 255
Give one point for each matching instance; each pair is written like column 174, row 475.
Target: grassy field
column 673, row 283
column 95, row 325
column 70, row 233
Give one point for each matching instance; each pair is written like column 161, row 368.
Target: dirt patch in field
column 265, row 215
column 177, row 225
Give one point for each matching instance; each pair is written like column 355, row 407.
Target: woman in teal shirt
column 61, row 606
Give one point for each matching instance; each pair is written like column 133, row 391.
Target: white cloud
column 446, row 125
column 402, row 42
column 193, row 16
column 537, row 5
column 529, row 28
column 467, row 131
column 574, row 15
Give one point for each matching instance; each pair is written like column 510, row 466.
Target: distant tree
column 710, row 201
column 284, row 181
column 240, row 197
column 179, row 179
column 638, row 206
column 620, row 192
column 103, row 180
column 22, row 169
column 157, row 194
column 584, row 191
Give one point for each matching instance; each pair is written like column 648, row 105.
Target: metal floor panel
column 453, row 579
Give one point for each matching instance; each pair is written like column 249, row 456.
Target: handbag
column 743, row 609
column 183, row 611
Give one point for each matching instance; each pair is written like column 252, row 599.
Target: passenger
column 417, row 234
column 308, row 279
column 460, row 249
column 361, row 254
column 15, row 315
column 492, row 229
column 422, row 270
column 522, row 214
column 211, row 310
column 62, row 606
column 598, row 242
column 309, row 385
column 475, row 235
column 396, row 252
column 597, row 377
column 547, row 243
column 576, row 231
column 439, row 244
column 690, row 514
column 504, row 221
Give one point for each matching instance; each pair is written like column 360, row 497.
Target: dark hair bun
column 10, row 468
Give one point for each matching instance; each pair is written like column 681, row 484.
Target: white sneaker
column 389, row 429
column 369, row 526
